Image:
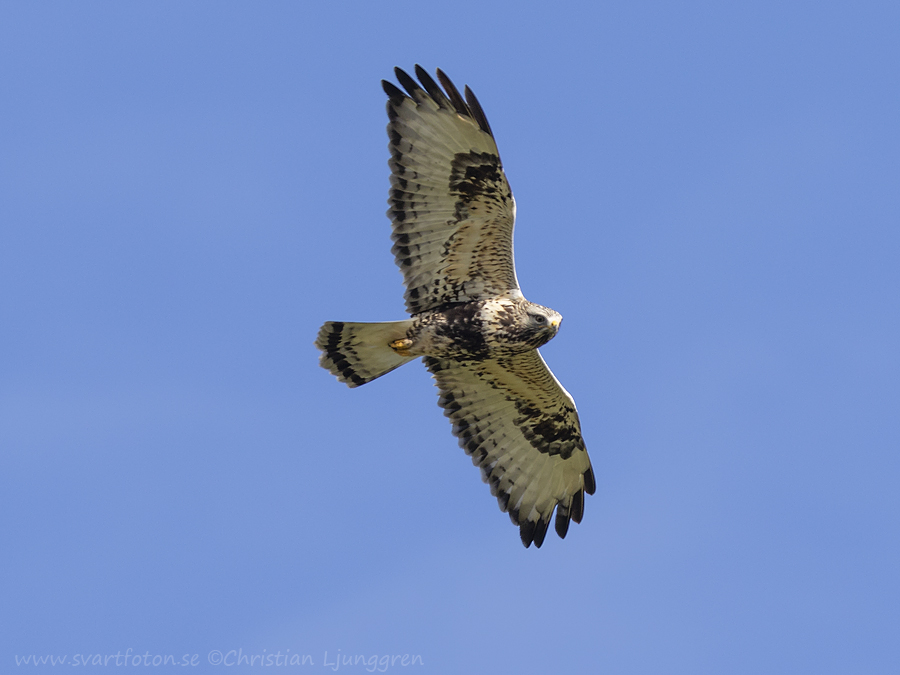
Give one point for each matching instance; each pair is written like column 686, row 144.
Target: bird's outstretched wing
column 521, row 428
column 451, row 206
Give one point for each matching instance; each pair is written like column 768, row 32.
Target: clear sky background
column 709, row 192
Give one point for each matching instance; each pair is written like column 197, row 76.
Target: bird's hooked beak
column 555, row 323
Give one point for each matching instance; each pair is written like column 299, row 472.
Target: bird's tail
column 359, row 352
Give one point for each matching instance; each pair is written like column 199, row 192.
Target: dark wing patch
column 450, row 203
column 521, row 429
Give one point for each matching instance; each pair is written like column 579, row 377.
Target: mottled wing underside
column 451, row 206
column 521, row 428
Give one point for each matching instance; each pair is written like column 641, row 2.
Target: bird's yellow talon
column 402, row 346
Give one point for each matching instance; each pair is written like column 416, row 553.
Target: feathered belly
column 465, row 331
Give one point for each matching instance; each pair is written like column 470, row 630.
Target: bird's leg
column 402, row 346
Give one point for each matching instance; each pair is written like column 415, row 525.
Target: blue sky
column 708, row 192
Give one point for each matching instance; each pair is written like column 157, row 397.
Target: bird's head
column 542, row 324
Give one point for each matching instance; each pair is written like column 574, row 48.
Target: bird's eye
column 539, row 319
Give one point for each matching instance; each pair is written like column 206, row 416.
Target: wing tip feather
column 590, row 484
column 393, row 92
column 467, row 106
column 477, row 112
column 408, row 82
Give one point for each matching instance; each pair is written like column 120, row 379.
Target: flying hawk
column 452, row 213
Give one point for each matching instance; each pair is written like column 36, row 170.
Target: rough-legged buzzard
column 452, row 213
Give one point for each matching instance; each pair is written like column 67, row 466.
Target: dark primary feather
column 432, row 87
column 458, row 101
column 394, row 94
column 412, row 87
column 477, row 112
column 469, row 106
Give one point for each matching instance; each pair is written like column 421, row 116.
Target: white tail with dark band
column 357, row 353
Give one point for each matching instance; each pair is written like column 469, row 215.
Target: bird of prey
column 452, row 215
